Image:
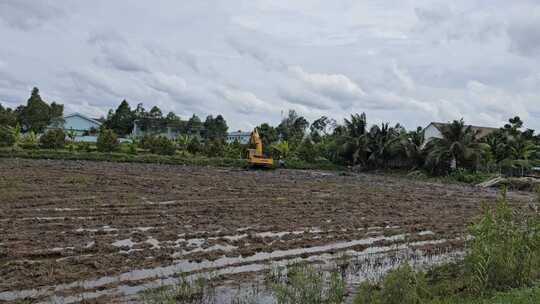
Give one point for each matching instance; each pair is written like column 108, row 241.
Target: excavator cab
column 256, row 157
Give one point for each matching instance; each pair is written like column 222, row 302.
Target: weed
column 401, row 286
column 504, row 251
column 304, row 284
column 198, row 291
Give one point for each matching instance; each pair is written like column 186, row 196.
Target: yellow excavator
column 256, row 157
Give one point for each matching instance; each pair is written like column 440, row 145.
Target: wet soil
column 68, row 221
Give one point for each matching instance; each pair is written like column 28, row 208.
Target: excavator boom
column 256, row 157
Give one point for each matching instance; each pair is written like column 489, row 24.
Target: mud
column 72, row 228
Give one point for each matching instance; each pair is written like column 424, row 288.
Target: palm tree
column 355, row 142
column 383, row 144
column 458, row 148
column 412, row 145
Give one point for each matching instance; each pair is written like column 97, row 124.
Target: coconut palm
column 355, row 141
column 383, row 144
column 412, row 144
column 459, row 147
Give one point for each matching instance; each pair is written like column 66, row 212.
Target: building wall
column 241, row 139
column 79, row 124
column 432, row 132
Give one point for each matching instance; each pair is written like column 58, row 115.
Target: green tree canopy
column 121, row 120
column 37, row 114
column 215, row 129
column 8, row 117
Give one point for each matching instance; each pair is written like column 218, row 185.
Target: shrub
column 84, row 147
column 194, row 146
column 504, row 251
column 7, row 136
column 400, row 286
column 29, row 141
column 53, row 139
column 214, row 148
column 307, row 151
column 107, row 141
column 163, row 146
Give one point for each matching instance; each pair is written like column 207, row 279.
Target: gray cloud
column 408, row 61
column 28, row 14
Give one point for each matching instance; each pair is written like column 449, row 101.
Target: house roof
column 239, row 133
column 83, row 117
column 482, row 131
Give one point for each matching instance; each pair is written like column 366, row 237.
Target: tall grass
column 503, row 253
column 198, row 291
column 305, row 284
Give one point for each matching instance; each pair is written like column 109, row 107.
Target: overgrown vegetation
column 503, row 254
column 305, row 284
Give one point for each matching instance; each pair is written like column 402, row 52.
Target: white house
column 241, row 137
column 433, row 130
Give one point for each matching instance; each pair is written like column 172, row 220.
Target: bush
column 400, row 286
column 307, row 151
column 504, row 251
column 194, row 146
column 29, row 141
column 53, row 139
column 7, row 136
column 107, row 141
column 214, row 148
column 163, row 146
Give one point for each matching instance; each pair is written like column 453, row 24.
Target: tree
column 306, row 151
column 194, row 146
column 412, row 144
column 354, row 141
column 7, row 136
column 458, row 148
column 383, row 144
column 194, row 125
column 8, row 117
column 321, row 127
column 107, row 141
column 293, row 128
column 56, row 115
column 269, row 136
column 37, row 114
column 121, row 120
column 281, row 149
column 215, row 128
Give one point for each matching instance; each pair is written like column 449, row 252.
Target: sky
column 403, row 61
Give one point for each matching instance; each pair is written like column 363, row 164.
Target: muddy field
column 105, row 231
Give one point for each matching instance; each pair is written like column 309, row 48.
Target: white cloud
column 334, row 86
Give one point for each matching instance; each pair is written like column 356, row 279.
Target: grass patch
column 304, row 284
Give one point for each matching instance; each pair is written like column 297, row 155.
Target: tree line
column 353, row 142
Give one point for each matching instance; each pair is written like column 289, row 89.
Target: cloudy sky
column 412, row 61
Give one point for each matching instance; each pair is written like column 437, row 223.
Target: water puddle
column 223, row 265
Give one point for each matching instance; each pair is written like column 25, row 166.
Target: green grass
column 518, row 296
